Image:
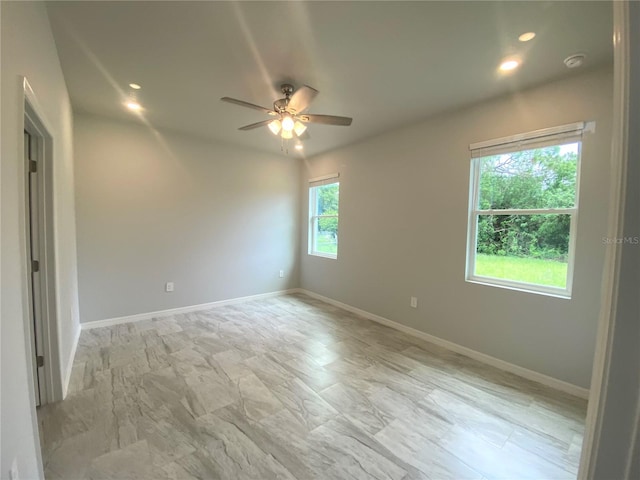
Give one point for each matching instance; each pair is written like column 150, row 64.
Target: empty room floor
column 293, row 388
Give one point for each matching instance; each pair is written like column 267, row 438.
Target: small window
column 523, row 211
column 323, row 218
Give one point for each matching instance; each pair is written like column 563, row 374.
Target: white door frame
column 37, row 125
column 603, row 368
column 33, row 150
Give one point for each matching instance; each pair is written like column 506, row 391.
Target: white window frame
column 313, row 213
column 561, row 135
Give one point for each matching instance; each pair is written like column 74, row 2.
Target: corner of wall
column 68, row 367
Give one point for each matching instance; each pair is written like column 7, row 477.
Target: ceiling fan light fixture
column 287, row 124
column 275, row 127
column 299, row 128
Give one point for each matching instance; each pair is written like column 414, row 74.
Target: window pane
column 538, row 178
column 324, row 226
column 524, row 248
column 327, row 197
column 326, row 235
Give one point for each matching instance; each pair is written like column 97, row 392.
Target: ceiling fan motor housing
column 281, row 105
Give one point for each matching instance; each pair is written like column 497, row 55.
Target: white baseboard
column 454, row 347
column 72, row 356
column 173, row 311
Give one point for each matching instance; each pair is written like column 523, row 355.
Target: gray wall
column 28, row 49
column 403, row 229
column 219, row 221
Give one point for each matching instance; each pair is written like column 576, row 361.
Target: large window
column 323, row 217
column 523, row 210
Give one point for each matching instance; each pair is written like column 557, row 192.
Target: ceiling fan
column 289, row 120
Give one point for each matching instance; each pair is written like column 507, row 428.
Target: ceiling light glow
column 275, row 126
column 525, row 37
column 286, row 134
column 135, row 86
column 509, row 64
column 299, row 128
column 135, row 106
column 299, row 146
column 287, row 124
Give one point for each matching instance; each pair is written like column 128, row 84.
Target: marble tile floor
column 293, row 388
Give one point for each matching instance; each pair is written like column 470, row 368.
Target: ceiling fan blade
column 302, row 98
column 256, row 125
column 242, row 103
column 326, row 119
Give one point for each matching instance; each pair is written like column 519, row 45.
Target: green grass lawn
column 528, row 270
column 327, row 244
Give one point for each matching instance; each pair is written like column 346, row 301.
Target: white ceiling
column 385, row 64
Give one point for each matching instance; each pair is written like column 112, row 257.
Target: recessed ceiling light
column 525, row 37
column 509, row 64
column 299, row 146
column 135, row 86
column 135, row 106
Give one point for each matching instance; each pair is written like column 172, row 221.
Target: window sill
column 521, row 287
column 323, row 255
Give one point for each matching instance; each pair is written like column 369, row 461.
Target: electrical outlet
column 13, row 473
column 414, row 302
column 168, row 287
column 281, row 273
